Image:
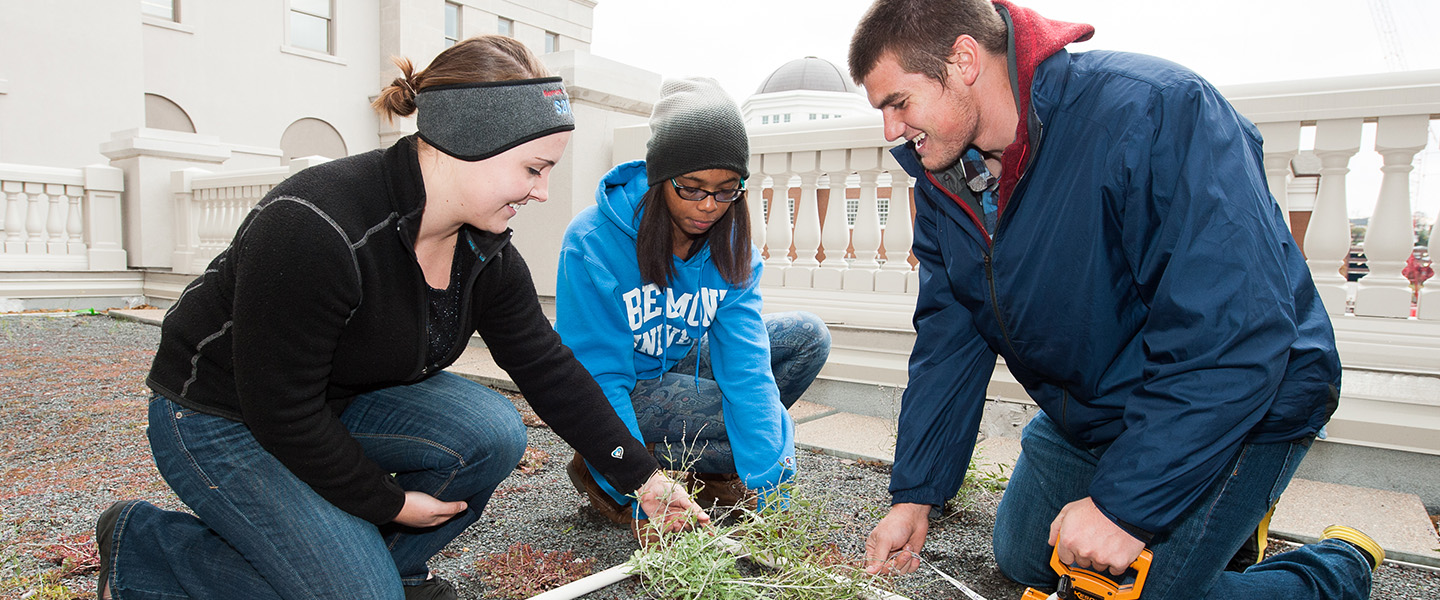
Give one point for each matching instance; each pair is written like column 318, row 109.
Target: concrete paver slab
column 1397, row 521
column 849, row 436
column 803, row 411
column 997, row 454
column 477, row 365
column 152, row 316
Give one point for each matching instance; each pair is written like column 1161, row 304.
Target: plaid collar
column 977, row 175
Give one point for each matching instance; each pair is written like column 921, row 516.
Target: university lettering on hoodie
column 645, row 303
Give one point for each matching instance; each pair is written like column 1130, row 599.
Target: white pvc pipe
column 623, row 571
column 590, row 583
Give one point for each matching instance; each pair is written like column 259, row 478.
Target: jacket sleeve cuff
column 773, row 498
column 1134, row 531
column 385, row 506
column 918, row 497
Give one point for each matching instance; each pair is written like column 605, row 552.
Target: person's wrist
column 657, row 478
column 910, row 510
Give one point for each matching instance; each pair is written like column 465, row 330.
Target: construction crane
column 1390, row 42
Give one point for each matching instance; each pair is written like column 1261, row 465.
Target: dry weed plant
column 14, row 583
column 522, row 571
column 532, row 461
column 789, row 537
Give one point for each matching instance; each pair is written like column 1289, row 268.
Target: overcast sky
column 739, row 42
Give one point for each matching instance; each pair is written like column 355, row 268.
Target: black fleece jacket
column 320, row 298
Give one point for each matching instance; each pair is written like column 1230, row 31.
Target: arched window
column 161, row 113
column 311, row 137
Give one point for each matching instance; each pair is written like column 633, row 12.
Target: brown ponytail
column 398, row 98
column 475, row 60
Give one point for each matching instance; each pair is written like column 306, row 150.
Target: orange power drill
column 1078, row 583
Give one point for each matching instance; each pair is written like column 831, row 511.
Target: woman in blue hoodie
column 657, row 295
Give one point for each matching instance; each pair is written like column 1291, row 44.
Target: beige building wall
column 75, row 72
column 230, row 67
column 70, row 74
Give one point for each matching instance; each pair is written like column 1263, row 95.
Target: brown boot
column 602, row 502
column 599, row 500
column 724, row 489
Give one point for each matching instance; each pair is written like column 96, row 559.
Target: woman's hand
column 424, row 510
column 666, row 502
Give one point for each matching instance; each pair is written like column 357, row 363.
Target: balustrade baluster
column 198, row 219
column 75, row 225
column 1327, row 238
column 55, row 240
column 807, row 222
column 755, row 203
column 14, row 216
column 865, row 237
column 227, row 217
column 222, row 218
column 35, row 218
column 1389, row 239
column 209, row 216
column 777, row 230
column 1282, row 145
column 233, row 210
column 899, row 235
column 836, row 232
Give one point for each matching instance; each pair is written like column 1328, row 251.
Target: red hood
column 1036, row 39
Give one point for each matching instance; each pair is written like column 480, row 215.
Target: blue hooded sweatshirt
column 624, row 329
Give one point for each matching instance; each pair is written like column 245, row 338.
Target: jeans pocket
column 179, row 424
column 1294, row 452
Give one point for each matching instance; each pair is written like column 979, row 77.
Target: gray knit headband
column 475, row 121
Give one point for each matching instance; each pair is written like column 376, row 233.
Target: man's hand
column 1085, row 537
column 665, row 501
column 424, row 510
column 903, row 532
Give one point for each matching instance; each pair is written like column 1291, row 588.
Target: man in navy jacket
column 1102, row 221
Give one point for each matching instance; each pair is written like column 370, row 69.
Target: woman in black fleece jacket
column 300, row 405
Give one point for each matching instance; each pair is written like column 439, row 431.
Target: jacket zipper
column 995, row 307
column 989, row 267
column 482, row 260
column 424, row 313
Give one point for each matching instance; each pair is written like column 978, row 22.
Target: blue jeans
column 674, row 407
column 1190, row 559
column 261, row 533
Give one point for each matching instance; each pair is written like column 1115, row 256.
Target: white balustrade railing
column 1401, row 106
column 209, row 207
column 60, row 219
column 819, row 168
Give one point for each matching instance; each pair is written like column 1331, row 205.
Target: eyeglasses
column 695, row 194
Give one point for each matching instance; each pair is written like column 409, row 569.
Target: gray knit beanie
column 695, row 126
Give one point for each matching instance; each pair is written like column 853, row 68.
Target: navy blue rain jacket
column 1141, row 284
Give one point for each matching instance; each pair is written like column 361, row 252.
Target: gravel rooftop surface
column 72, row 409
